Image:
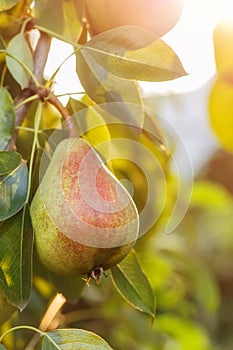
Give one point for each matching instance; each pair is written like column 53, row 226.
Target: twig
column 40, row 58
column 48, row 319
column 73, row 131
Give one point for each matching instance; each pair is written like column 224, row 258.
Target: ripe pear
column 6, row 309
column 84, row 220
column 157, row 16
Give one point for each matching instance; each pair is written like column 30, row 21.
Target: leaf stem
column 19, row 328
column 73, row 131
column 72, row 93
column 25, row 23
column 51, row 79
column 4, row 70
column 36, row 129
column 56, row 35
column 37, row 90
column 27, row 100
column 40, row 58
column 28, row 129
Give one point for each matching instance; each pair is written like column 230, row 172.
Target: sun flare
column 191, row 38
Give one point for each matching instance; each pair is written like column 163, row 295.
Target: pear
column 154, row 15
column 84, row 220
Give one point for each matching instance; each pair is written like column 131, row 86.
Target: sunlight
column 228, row 10
column 191, row 39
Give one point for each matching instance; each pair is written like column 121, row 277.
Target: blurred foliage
column 183, row 280
column 220, row 103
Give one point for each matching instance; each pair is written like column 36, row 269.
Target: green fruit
column 6, row 309
column 84, row 219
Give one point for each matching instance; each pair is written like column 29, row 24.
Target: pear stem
column 96, row 275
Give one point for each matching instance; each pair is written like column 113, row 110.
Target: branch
column 40, row 58
column 73, row 131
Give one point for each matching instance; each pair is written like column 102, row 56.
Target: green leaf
column 16, row 244
column 7, row 117
column 212, row 200
column 132, row 283
column 19, row 48
column 2, row 347
column 206, row 288
column 13, row 191
column 104, row 87
column 210, row 196
column 61, row 18
column 187, row 334
column 69, row 339
column 204, row 285
column 9, row 160
column 132, row 52
column 7, row 4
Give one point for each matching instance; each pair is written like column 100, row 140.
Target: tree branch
column 73, row 131
column 40, row 58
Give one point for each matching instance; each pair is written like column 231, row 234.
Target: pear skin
column 83, row 218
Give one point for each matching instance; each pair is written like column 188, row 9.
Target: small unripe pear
column 83, row 218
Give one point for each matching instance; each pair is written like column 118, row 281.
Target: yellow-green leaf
column 7, row 117
column 7, row 4
column 132, row 52
column 69, row 339
column 102, row 86
column 19, row 56
column 183, row 333
column 60, row 18
column 221, row 112
column 13, row 191
column 9, row 160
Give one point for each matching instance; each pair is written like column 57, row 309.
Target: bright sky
column 191, row 39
